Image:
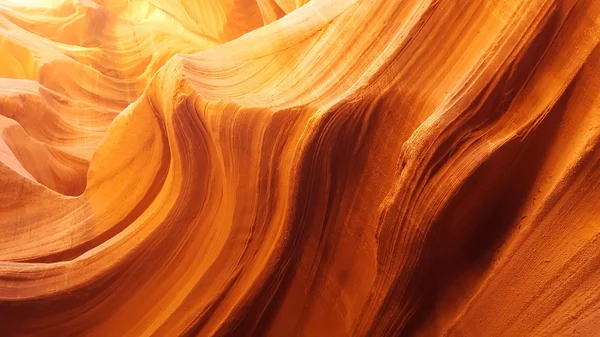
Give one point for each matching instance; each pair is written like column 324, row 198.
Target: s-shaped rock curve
column 299, row 168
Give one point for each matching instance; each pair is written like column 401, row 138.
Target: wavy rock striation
column 277, row 167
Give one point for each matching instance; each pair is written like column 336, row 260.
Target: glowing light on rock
column 293, row 168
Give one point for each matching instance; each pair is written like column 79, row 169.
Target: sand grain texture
column 299, row 168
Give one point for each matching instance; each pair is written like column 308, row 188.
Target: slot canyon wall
column 299, row 168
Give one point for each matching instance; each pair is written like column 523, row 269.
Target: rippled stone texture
column 294, row 168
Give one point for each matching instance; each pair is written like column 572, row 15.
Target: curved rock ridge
column 322, row 168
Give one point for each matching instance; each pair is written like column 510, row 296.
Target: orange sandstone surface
column 299, row 168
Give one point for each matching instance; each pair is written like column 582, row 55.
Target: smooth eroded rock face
column 295, row 168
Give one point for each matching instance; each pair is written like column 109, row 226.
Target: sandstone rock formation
column 295, row 168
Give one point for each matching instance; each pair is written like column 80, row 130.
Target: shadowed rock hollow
column 295, row 168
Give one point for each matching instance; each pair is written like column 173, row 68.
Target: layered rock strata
column 277, row 167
